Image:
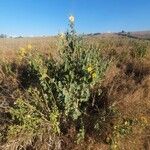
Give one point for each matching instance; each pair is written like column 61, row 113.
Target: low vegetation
column 94, row 94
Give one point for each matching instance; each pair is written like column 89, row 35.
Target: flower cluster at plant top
column 71, row 19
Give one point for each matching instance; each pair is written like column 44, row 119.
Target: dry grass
column 10, row 46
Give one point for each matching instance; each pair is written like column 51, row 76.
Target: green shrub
column 63, row 92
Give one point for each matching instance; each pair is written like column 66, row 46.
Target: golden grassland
column 10, row 46
column 126, row 86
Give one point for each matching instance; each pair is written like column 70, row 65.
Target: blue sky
column 49, row 17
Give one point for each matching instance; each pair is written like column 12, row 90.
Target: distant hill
column 141, row 34
column 136, row 34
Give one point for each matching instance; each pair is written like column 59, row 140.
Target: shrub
column 63, row 92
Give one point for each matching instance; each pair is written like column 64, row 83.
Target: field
column 10, row 46
column 75, row 94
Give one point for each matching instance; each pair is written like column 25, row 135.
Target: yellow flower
column 28, row 116
column 126, row 123
column 94, row 75
column 71, row 19
column 62, row 35
column 144, row 120
column 29, row 46
column 22, row 51
column 89, row 69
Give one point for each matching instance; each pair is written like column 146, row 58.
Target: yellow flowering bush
column 64, row 87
